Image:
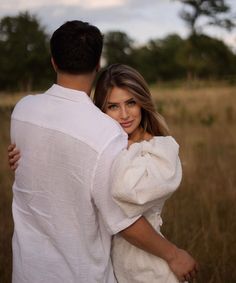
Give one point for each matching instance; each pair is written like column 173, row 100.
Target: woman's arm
column 142, row 235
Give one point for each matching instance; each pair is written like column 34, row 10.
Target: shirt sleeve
column 114, row 218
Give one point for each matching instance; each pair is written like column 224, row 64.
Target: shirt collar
column 67, row 93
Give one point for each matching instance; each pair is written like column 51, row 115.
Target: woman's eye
column 112, row 107
column 132, row 103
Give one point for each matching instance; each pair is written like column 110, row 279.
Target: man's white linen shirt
column 63, row 212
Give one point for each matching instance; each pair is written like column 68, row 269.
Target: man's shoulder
column 26, row 101
column 104, row 129
column 106, row 122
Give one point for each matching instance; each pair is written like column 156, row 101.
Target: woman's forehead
column 118, row 94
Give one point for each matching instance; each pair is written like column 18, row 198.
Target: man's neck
column 77, row 82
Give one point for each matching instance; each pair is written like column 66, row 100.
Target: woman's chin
column 128, row 132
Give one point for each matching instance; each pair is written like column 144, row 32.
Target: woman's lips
column 126, row 124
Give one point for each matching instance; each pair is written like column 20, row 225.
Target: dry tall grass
column 200, row 215
column 6, row 178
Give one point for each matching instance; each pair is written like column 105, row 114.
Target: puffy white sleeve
column 145, row 173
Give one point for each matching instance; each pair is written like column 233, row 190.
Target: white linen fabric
column 145, row 176
column 63, row 210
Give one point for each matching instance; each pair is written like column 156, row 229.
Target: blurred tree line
column 25, row 56
column 24, row 53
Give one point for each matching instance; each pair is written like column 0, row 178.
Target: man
column 63, row 212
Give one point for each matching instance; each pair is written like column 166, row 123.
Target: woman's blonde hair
column 125, row 77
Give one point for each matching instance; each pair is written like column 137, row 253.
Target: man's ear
column 54, row 64
column 98, row 67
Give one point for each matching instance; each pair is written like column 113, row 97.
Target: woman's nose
column 124, row 113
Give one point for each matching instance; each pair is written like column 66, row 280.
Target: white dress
column 146, row 175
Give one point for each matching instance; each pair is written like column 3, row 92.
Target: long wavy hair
column 125, row 77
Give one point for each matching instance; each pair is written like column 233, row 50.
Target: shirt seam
column 59, row 131
column 99, row 156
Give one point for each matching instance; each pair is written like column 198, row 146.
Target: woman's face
column 123, row 107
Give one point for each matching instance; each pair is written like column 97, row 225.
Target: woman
column 146, row 174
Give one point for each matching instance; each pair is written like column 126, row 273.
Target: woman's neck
column 139, row 135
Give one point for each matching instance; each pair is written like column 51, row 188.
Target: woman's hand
column 183, row 265
column 13, row 156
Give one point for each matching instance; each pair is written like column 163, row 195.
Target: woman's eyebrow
column 128, row 100
column 109, row 102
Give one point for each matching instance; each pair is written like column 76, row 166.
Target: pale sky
column 140, row 19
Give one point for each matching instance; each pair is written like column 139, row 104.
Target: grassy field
column 200, row 217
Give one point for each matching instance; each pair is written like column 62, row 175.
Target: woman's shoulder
column 153, row 148
column 165, row 140
column 149, row 141
column 147, row 136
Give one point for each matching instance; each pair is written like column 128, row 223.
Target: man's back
column 67, row 147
